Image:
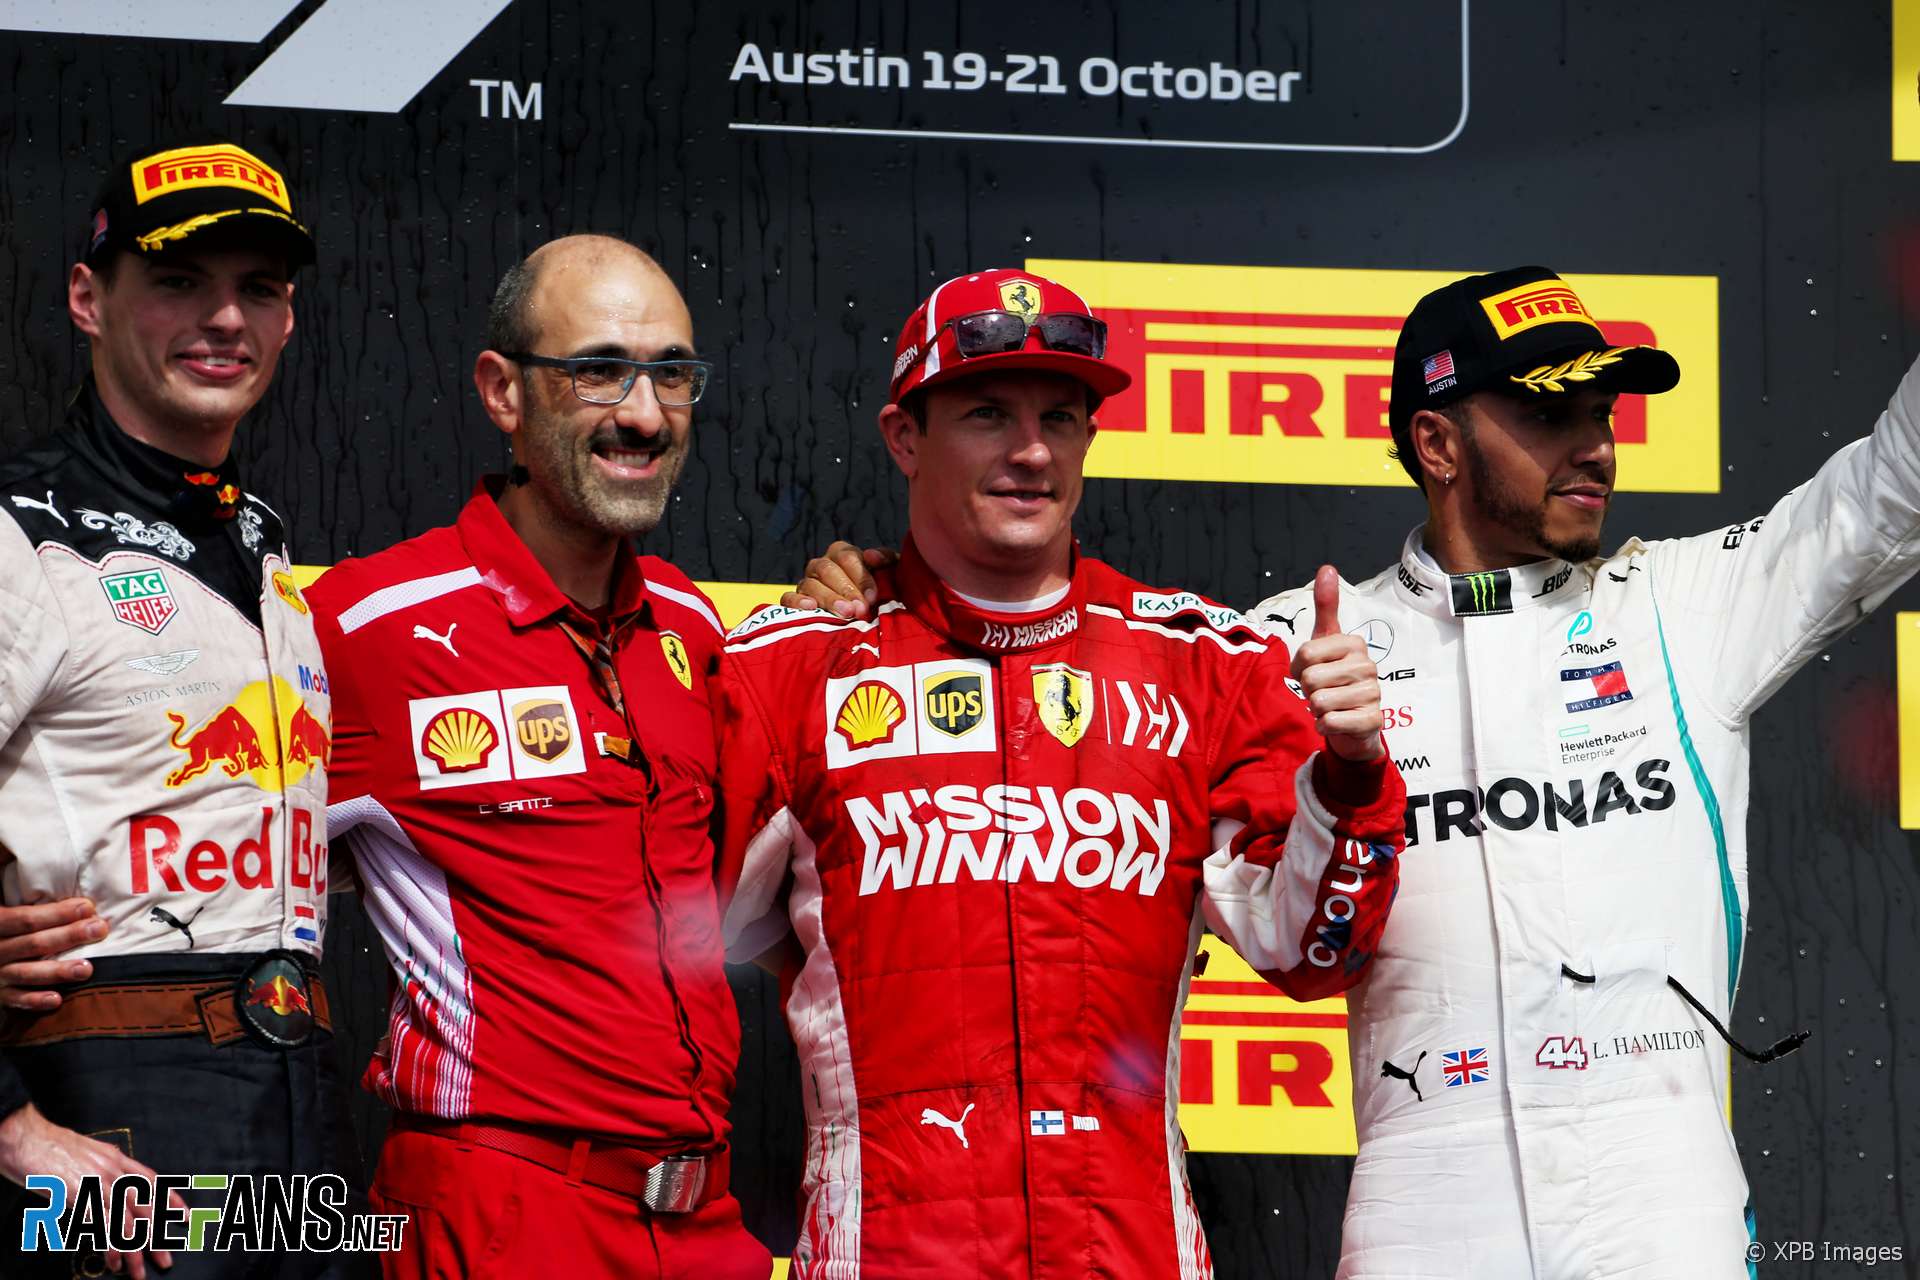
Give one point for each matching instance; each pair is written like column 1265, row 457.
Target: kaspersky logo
column 1481, row 593
column 266, row 734
column 349, row 55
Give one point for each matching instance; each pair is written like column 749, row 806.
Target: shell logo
column 869, row 715
column 458, row 740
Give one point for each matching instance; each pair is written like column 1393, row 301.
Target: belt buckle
column 273, row 1000
column 674, row 1185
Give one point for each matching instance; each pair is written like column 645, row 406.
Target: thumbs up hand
column 1338, row 679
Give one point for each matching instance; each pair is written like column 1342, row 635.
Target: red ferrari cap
column 928, row 352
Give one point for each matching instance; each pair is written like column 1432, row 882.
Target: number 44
column 1562, row 1053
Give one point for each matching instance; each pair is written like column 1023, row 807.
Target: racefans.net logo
column 267, row 1213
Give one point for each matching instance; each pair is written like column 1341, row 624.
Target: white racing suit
column 1574, row 740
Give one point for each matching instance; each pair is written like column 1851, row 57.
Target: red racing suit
column 538, row 861
column 997, row 837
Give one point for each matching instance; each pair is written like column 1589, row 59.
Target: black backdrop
column 1746, row 141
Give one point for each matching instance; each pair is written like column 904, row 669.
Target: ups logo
column 542, row 729
column 955, row 701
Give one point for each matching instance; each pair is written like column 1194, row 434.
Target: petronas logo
column 1478, row 594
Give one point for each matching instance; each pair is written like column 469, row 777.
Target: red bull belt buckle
column 674, row 1185
column 274, row 1002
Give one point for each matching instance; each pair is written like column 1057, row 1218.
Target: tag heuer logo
column 140, row 599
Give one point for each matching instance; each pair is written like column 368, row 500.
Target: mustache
column 629, row 440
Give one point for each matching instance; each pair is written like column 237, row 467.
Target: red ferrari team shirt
column 526, row 791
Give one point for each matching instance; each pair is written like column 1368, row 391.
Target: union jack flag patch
column 1464, row 1066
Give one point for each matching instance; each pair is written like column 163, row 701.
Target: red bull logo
column 229, row 740
column 267, row 734
column 281, row 996
column 307, row 740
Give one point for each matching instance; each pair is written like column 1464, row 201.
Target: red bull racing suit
column 527, row 788
column 163, row 749
column 997, row 835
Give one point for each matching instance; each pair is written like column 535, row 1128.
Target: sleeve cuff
column 1345, row 784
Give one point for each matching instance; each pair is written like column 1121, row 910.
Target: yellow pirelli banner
column 1906, row 79
column 1259, row 1072
column 1906, row 660
column 1280, row 375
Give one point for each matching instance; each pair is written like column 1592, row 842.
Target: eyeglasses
column 988, row 333
column 608, row 379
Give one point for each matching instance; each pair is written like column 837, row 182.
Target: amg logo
column 917, row 838
column 1027, row 635
column 1518, row 805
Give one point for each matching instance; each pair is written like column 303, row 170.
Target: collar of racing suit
column 944, row 610
column 189, row 495
column 1421, row 584
column 526, row 590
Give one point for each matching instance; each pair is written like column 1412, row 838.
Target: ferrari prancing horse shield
column 1022, row 297
column 1063, row 696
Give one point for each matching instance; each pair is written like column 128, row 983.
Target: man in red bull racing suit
column 998, row 816
column 164, row 726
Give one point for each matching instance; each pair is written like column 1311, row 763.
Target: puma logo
column 160, row 915
column 422, row 633
column 1281, row 617
column 959, row 1127
column 1390, row 1072
column 46, row 506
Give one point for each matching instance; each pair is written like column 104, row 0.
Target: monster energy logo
column 1482, row 593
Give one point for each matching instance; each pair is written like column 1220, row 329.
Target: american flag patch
column 306, row 925
column 1609, row 685
column 1464, row 1066
column 1437, row 368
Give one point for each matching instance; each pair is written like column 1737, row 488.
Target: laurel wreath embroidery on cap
column 1550, row 377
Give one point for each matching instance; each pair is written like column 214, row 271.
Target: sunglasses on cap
column 992, row 333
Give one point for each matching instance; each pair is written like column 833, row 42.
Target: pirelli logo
column 1281, row 375
column 1518, row 310
column 222, row 166
column 1260, row 1073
